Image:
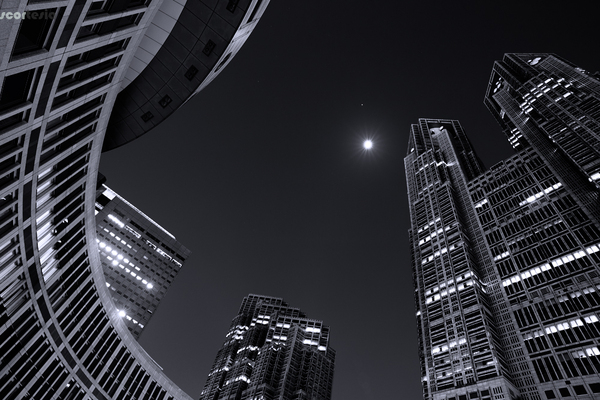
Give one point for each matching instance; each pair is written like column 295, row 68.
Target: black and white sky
column 262, row 175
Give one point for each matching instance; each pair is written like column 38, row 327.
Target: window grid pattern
column 59, row 333
column 553, row 307
column 461, row 349
column 272, row 351
column 139, row 260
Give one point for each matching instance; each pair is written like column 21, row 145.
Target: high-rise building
column 458, row 334
column 62, row 65
column 554, row 106
column 139, row 257
column 272, row 351
column 506, row 262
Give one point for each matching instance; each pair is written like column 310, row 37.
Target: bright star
column 367, row 144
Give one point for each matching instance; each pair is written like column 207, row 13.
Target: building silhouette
column 140, row 258
column 272, row 351
column 506, row 261
column 61, row 70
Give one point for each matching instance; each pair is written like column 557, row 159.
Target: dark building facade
column 61, row 70
column 272, row 351
column 530, row 230
column 184, row 49
column 140, row 258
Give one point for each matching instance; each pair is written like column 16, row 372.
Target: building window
column 165, row 101
column 231, row 6
column 210, row 46
column 82, row 90
column 108, row 27
column 96, row 54
column 564, row 392
column 147, row 116
column 191, row 73
column 113, row 6
column 579, row 389
column 37, row 31
column 17, row 89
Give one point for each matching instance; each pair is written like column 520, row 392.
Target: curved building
column 176, row 59
column 61, row 68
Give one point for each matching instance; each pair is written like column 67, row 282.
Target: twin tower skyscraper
column 506, row 261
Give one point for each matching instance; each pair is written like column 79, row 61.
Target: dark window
column 165, row 101
column 550, row 394
column 35, row 31
column 191, row 73
column 110, row 26
column 579, row 389
column 231, row 6
column 113, row 6
column 564, row 392
column 16, row 89
column 82, row 90
column 595, row 387
column 210, row 46
column 96, row 54
column 147, row 116
column 14, row 119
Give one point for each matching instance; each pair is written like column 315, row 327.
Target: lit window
column 116, row 220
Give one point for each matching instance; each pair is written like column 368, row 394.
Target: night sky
column 262, row 175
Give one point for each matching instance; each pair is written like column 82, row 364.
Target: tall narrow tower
column 272, row 351
column 458, row 338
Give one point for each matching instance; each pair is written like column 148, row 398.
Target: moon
column 368, row 144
